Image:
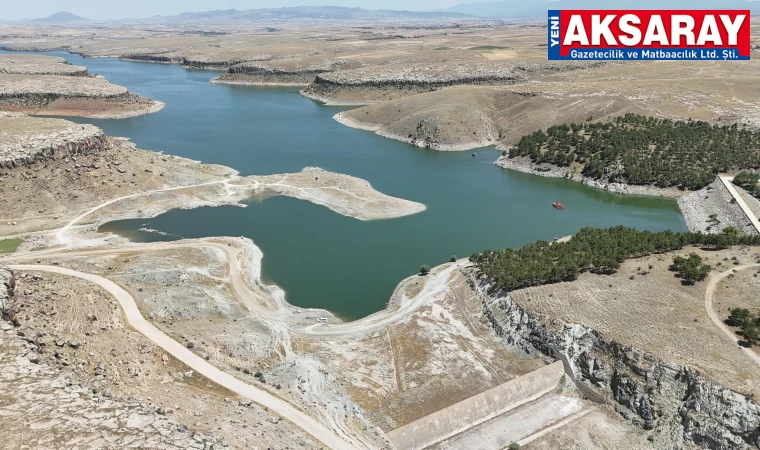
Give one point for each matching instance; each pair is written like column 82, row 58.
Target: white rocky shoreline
column 524, row 164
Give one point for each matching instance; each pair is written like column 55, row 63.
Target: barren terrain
column 645, row 295
column 48, row 85
column 439, row 342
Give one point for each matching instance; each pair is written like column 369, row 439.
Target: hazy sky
column 110, row 9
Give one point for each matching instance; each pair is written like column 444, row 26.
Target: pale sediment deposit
column 524, row 164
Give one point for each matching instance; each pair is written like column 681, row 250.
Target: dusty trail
column 138, row 322
column 714, row 317
column 264, row 302
column 727, row 181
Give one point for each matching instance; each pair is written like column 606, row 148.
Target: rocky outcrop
column 39, row 65
column 676, row 403
column 153, row 57
column 713, row 208
column 24, row 140
column 301, row 71
column 431, row 76
column 15, row 85
column 59, row 410
column 7, row 286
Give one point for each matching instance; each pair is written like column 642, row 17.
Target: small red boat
column 558, row 205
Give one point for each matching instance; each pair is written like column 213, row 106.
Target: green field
column 10, row 245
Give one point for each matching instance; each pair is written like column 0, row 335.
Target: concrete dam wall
column 460, row 416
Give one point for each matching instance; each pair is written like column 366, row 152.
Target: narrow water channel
column 322, row 259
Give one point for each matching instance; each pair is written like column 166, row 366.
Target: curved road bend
column 195, row 362
column 435, row 284
column 711, row 312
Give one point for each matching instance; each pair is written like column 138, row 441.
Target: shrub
column 691, row 269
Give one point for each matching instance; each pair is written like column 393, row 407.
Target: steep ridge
column 676, row 402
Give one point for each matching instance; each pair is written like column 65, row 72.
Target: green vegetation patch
column 9, row 245
column 442, row 48
column 691, row 269
column 591, row 250
column 748, row 322
column 749, row 182
column 642, row 150
column 488, row 47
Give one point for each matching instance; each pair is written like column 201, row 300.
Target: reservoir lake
column 322, row 259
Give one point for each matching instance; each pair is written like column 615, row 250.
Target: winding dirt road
column 270, row 307
column 195, row 362
column 714, row 280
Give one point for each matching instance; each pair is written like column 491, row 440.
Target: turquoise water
column 322, row 259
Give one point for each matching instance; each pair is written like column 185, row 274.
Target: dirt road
column 195, row 362
column 727, row 181
column 714, row 280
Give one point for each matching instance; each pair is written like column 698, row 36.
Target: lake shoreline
column 524, row 164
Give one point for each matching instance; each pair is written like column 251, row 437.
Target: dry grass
column 655, row 313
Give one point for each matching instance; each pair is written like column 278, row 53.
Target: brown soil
column 650, row 309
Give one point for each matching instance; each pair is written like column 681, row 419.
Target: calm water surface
column 323, row 259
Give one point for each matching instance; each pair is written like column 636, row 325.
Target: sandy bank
column 152, row 107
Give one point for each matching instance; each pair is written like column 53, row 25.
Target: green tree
column 750, row 333
column 514, row 446
column 732, row 231
column 590, row 250
column 453, row 258
column 738, row 317
column 425, row 269
column 691, row 269
column 649, row 151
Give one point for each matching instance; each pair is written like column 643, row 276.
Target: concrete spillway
column 477, row 409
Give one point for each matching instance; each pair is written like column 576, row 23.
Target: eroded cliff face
column 7, row 286
column 676, row 403
column 52, row 138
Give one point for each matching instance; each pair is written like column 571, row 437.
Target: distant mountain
column 310, row 13
column 536, row 9
column 62, row 17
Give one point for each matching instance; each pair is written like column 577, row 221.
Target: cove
column 322, row 259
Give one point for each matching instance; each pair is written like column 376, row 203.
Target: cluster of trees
column 644, row 150
column 748, row 322
column 691, row 269
column 748, row 181
column 591, row 250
